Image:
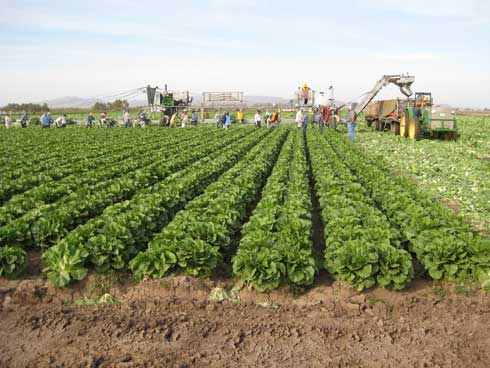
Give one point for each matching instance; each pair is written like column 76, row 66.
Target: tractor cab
column 423, row 99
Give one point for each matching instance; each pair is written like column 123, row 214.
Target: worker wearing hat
column 306, row 91
column 90, row 120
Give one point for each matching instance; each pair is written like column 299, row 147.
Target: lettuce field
column 267, row 207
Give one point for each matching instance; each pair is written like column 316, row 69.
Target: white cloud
column 468, row 10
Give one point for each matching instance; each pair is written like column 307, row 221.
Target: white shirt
column 299, row 119
column 257, row 117
column 126, row 117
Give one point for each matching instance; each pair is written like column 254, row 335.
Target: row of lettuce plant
column 276, row 241
column 32, row 152
column 75, row 161
column 111, row 240
column 362, row 248
column 442, row 241
column 105, row 169
column 197, row 239
column 47, row 224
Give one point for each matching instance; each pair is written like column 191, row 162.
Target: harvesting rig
column 168, row 102
column 411, row 118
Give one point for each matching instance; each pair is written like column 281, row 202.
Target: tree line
column 39, row 108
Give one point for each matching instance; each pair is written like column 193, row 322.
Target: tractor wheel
column 414, row 128
column 404, row 124
column 395, row 127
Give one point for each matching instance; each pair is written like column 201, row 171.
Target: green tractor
column 422, row 118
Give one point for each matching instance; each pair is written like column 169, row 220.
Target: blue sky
column 89, row 48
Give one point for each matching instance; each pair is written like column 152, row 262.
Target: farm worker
column 306, row 91
column 173, row 120
column 143, row 119
column 275, row 119
column 126, row 119
column 63, row 121
column 239, row 116
column 305, row 122
column 41, row 118
column 24, row 120
column 184, row 118
column 58, row 122
column 90, row 120
column 217, row 119
column 8, row 122
column 320, row 119
column 351, row 121
column 228, row 120
column 46, row 121
column 257, row 119
column 194, row 118
column 103, row 119
column 317, row 116
column 267, row 118
column 299, row 118
column 325, row 114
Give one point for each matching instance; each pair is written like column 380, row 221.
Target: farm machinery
column 413, row 118
column 410, row 118
column 168, row 102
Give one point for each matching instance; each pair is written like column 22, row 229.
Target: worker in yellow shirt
column 173, row 120
column 239, row 116
column 306, row 92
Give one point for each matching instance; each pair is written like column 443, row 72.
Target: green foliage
column 362, row 247
column 28, row 107
column 64, row 263
column 442, row 241
column 199, row 235
column 108, row 106
column 276, row 242
column 12, row 262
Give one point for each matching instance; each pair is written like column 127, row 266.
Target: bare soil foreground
column 173, row 323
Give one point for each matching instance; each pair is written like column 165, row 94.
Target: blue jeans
column 351, row 127
column 305, row 125
column 322, row 125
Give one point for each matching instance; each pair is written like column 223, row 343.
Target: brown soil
column 171, row 323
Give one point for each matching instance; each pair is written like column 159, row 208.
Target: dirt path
column 172, row 324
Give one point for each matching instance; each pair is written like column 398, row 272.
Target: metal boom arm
column 402, row 81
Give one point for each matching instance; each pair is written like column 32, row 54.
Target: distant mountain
column 68, row 101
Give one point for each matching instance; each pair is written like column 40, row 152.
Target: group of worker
column 45, row 120
column 322, row 115
column 328, row 115
column 24, row 120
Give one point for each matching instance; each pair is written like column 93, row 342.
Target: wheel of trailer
column 395, row 127
column 414, row 128
column 369, row 123
column 404, row 124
